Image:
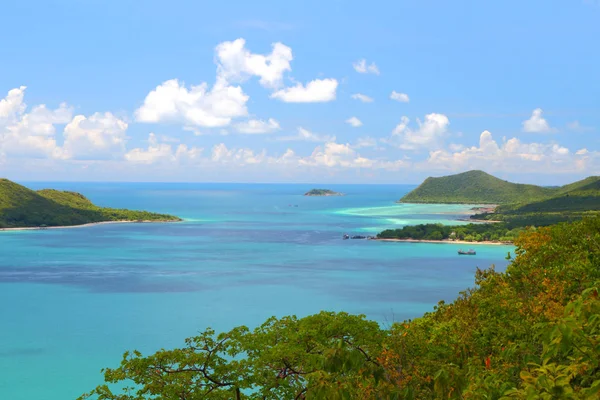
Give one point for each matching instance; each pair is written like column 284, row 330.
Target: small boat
column 346, row 237
column 358, row 237
column 469, row 252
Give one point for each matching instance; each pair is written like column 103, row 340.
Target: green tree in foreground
column 532, row 332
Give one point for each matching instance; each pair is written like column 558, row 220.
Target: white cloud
column 362, row 97
column 13, row 103
column 361, row 67
column 401, row 97
column 428, row 135
column 316, row 91
column 582, row 152
column 537, row 123
column 99, row 136
column 305, row 135
column 255, row 126
column 365, row 142
column 29, row 134
column 339, row 155
column 355, row 122
column 221, row 154
column 511, row 155
column 161, row 152
column 198, row 106
column 236, row 63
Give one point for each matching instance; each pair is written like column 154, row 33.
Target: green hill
column 589, row 183
column 475, row 187
column 23, row 207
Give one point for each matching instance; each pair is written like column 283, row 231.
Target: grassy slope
column 475, row 187
column 23, row 207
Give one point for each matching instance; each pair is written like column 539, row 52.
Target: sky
column 326, row 91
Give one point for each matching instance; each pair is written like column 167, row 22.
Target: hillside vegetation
column 475, row 187
column 478, row 187
column 23, row 207
column 532, row 332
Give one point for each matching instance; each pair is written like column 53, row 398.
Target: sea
column 72, row 301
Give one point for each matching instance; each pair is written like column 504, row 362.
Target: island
column 322, row 192
column 510, row 208
column 23, row 208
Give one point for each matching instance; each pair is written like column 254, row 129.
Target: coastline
column 445, row 241
column 34, row 228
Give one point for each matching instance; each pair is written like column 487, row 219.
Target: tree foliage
column 531, row 332
column 470, row 232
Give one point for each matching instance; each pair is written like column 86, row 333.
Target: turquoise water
column 73, row 300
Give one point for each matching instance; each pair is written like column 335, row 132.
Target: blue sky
column 271, row 91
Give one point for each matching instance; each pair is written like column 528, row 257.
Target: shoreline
column 445, row 241
column 35, row 228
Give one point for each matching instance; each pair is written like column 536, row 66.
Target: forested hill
column 478, row 187
column 23, row 207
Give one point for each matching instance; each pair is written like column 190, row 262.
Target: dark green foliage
column 498, row 232
column 22, row 207
column 322, row 192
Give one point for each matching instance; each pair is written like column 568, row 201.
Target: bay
column 73, row 300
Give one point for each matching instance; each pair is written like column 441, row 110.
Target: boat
column 358, row 237
column 346, row 237
column 469, row 252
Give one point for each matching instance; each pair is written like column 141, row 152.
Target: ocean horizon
column 79, row 298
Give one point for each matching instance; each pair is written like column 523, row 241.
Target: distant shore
column 35, row 228
column 445, row 241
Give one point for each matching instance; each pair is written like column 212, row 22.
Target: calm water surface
column 73, row 300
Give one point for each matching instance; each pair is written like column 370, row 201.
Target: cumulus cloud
column 304, row 135
column 316, row 91
column 13, row 104
column 362, row 97
column 199, row 106
column 29, row 134
column 355, row 122
column 221, row 154
column 33, row 134
column 256, row 126
column 99, row 136
column 236, row 63
column 429, row 133
column 157, row 152
column 511, row 155
column 401, row 97
column 536, row 123
column 361, row 67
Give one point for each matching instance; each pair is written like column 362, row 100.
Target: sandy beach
column 83, row 225
column 445, row 241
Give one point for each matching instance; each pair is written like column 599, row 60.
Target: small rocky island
column 322, row 192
